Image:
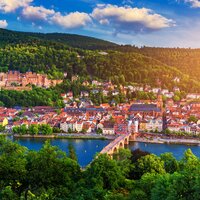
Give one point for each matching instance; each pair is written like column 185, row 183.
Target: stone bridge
column 120, row 142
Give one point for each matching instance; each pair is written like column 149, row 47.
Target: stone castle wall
column 17, row 79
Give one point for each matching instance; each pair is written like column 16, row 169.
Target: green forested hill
column 74, row 54
column 186, row 60
column 73, row 40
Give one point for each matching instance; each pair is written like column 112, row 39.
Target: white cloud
column 128, row 19
column 11, row 5
column 3, row 24
column 71, row 20
column 194, row 3
column 37, row 13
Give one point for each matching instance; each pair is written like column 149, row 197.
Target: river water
column 86, row 149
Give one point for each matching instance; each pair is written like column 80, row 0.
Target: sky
column 158, row 23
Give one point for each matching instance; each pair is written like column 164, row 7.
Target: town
column 162, row 114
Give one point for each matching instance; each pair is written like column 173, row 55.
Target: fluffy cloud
column 128, row 19
column 68, row 21
column 3, row 24
column 71, row 20
column 37, row 13
column 11, row 5
column 194, row 3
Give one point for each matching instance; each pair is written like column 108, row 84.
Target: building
column 108, row 128
column 121, row 128
column 145, row 109
column 154, row 125
column 3, row 121
column 13, row 79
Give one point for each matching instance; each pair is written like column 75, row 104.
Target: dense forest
column 35, row 97
column 50, row 174
column 77, row 41
column 186, row 60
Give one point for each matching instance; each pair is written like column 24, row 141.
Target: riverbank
column 69, row 136
column 169, row 141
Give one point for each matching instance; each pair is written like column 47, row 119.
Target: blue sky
column 167, row 23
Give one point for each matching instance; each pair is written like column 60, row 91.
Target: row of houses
column 184, row 117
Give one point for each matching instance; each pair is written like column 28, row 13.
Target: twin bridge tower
column 118, row 143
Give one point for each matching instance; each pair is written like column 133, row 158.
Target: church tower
column 160, row 101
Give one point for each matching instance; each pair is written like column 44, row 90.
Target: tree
column 45, row 129
column 72, row 152
column 193, row 118
column 2, row 128
column 137, row 154
column 13, row 166
column 104, row 173
column 189, row 161
column 124, row 161
column 99, row 131
column 161, row 188
column 170, row 162
column 176, row 98
column 138, row 194
column 33, row 129
column 8, row 194
column 23, row 129
column 62, row 173
column 56, row 130
column 149, row 164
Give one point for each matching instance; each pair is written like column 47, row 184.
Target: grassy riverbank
column 69, row 136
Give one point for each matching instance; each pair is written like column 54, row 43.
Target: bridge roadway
column 114, row 146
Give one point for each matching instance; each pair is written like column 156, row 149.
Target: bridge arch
column 126, row 140
column 115, row 150
column 121, row 145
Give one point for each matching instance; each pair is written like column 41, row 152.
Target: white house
column 154, row 124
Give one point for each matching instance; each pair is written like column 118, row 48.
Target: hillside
column 73, row 40
column 186, row 60
column 56, row 53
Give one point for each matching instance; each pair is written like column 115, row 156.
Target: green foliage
column 104, row 172
column 44, row 129
column 149, row 164
column 72, row 153
column 99, row 131
column 2, row 128
column 193, row 119
column 50, row 53
column 56, row 130
column 170, row 162
column 35, row 97
column 60, row 174
column 50, row 174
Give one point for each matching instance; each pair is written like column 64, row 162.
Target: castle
column 16, row 80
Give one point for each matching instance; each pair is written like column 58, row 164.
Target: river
column 86, row 148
